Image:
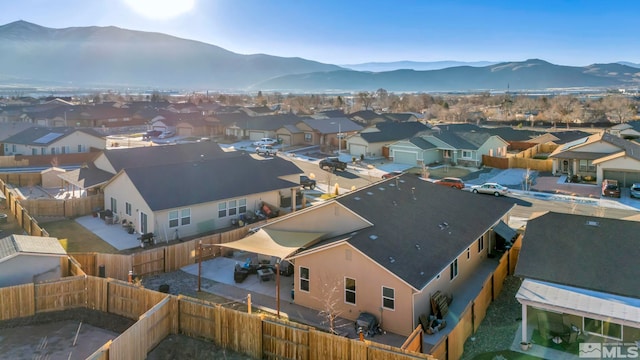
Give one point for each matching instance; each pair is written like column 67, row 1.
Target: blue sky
column 357, row 31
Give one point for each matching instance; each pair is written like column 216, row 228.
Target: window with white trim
column 222, row 210
column 127, row 208
column 304, row 279
column 481, row 243
column 173, row 218
column 233, row 207
column 388, row 298
column 602, row 328
column 242, row 206
column 308, row 137
column 185, row 216
column 453, row 269
column 446, row 154
column 114, row 205
column 350, row 290
column 587, row 165
column 468, row 253
column 466, row 154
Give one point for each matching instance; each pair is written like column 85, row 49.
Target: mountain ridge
column 114, row 57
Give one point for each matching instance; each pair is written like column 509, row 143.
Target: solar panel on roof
column 574, row 143
column 47, row 138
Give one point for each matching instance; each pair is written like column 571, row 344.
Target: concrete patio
column 114, row 234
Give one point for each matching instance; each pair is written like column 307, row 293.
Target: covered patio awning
column 277, row 243
column 582, row 302
column 505, row 231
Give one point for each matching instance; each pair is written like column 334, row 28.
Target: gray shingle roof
column 332, row 125
column 161, row 155
column 392, row 131
column 233, row 175
column 587, row 252
column 15, row 244
column 42, row 136
column 409, row 236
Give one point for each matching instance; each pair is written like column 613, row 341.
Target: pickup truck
column 333, row 163
column 306, row 182
column 266, row 150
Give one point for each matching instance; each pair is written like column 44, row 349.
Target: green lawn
column 75, row 238
column 505, row 355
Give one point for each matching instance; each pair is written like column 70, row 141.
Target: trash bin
column 101, row 271
column 164, row 288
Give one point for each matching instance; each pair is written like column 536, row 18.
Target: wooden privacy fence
column 518, row 163
column 71, row 207
column 28, row 223
column 159, row 260
column 158, row 315
column 451, row 346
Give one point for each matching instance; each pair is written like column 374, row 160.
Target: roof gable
column 15, row 244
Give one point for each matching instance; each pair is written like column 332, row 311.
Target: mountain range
column 112, row 57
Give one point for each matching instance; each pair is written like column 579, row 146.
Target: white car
column 266, row 150
column 265, row 141
column 166, row 134
column 490, row 188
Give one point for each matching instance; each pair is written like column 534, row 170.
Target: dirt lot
column 51, row 336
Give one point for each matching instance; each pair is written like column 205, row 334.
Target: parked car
column 634, row 191
column 368, row 324
column 610, row 188
column 151, row 134
column 166, row 134
column 333, row 163
column 307, row 182
column 451, row 182
column 389, row 175
column 265, row 141
column 266, row 150
column 490, row 188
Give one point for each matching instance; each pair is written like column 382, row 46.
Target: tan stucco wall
column 330, row 218
column 327, row 286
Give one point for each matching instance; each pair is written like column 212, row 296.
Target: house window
column 304, row 279
column 53, row 151
column 185, row 217
column 350, row 290
column 242, row 206
column 587, row 165
column 79, row 148
column 481, row 243
column 466, row 154
column 43, row 151
column 446, row 153
column 308, row 137
column 468, row 253
column 173, row 218
column 127, row 208
column 233, row 207
column 603, row 328
column 65, row 149
column 222, row 210
column 114, row 205
column 453, row 269
column 388, row 298
column 34, row 151
column 13, row 148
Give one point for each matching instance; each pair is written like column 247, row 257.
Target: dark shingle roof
column 161, row 155
column 392, row 131
column 42, row 136
column 409, row 236
column 568, row 136
column 86, row 177
column 234, row 174
column 422, row 143
column 587, row 252
column 332, row 125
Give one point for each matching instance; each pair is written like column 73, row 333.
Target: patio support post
column 524, row 323
column 278, row 288
column 199, row 263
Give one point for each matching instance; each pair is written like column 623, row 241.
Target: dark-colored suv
column 610, row 188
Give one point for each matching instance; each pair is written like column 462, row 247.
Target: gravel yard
column 498, row 329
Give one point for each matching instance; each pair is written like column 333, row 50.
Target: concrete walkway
column 114, row 234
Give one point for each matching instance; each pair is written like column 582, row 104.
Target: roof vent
column 391, row 259
column 356, row 198
column 381, row 188
column 421, row 273
column 593, row 223
column 373, row 237
column 369, row 193
column 418, row 246
column 443, row 225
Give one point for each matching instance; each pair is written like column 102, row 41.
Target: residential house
column 90, row 178
column 189, row 198
column 241, row 125
column 387, row 248
column 183, row 124
column 580, row 279
column 329, row 132
column 373, row 141
column 52, row 141
column 600, row 156
column 628, row 130
column 367, row 117
column 403, row 117
column 30, row 259
column 455, row 144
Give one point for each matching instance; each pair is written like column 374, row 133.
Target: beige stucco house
column 387, row 248
column 580, row 282
column 51, row 141
column 601, row 156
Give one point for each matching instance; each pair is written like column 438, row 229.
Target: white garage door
column 357, row 150
column 256, row 135
column 401, row 157
column 185, row 131
column 625, row 178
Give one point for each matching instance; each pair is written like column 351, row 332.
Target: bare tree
column 619, row 108
column 366, row 98
column 331, row 301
